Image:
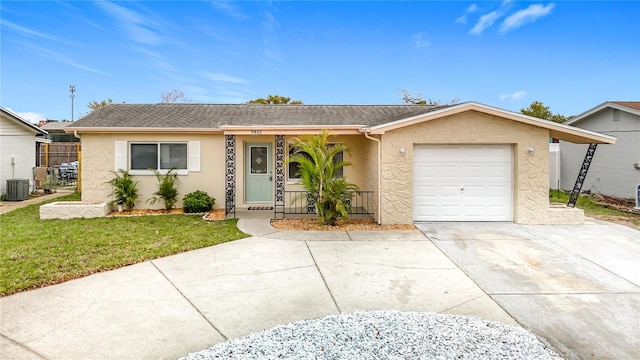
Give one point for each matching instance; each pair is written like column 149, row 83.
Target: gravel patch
column 384, row 335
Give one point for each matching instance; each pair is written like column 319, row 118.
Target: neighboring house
column 464, row 162
column 615, row 170
column 56, row 131
column 18, row 145
column 64, row 147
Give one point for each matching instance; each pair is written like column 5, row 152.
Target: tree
column 318, row 175
column 275, row 99
column 537, row 109
column 407, row 98
column 94, row 105
column 174, row 96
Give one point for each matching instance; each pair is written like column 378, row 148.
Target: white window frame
column 291, row 179
column 123, row 157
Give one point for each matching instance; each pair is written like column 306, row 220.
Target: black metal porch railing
column 300, row 203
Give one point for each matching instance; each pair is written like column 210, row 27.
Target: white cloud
column 228, row 8
column 137, row 26
column 225, row 78
column 484, row 22
column 463, row 18
column 419, row 41
column 31, row 117
column 528, row 15
column 59, row 57
column 271, row 50
column 514, row 96
column 30, row 32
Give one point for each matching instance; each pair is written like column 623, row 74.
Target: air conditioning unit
column 17, row 189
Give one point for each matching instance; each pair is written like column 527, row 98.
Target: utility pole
column 72, row 90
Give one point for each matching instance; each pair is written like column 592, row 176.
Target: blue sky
column 569, row 55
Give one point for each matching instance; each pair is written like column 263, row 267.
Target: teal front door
column 258, row 173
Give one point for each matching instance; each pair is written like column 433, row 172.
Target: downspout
column 366, row 135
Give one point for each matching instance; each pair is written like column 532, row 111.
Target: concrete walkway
column 6, row 206
column 576, row 286
column 166, row 308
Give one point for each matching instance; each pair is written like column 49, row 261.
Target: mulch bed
column 282, row 224
column 346, row 225
column 216, row 214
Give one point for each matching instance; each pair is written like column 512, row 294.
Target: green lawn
column 35, row 253
column 593, row 209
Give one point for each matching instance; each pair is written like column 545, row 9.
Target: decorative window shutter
column 194, row 155
column 121, row 155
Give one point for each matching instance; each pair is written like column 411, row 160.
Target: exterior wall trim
column 608, row 104
column 556, row 130
column 115, row 130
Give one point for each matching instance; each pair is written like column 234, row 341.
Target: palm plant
column 167, row 189
column 318, row 171
column 125, row 190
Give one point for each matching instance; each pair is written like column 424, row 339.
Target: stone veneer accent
column 531, row 171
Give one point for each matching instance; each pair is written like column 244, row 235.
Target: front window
column 259, row 159
column 159, row 156
column 294, row 167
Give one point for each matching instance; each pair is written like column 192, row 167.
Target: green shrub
column 125, row 190
column 167, row 189
column 197, row 202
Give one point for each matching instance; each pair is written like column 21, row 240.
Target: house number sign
column 256, row 132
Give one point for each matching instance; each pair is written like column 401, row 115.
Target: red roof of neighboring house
column 630, row 104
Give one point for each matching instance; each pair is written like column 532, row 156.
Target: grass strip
column 36, row 253
column 592, row 208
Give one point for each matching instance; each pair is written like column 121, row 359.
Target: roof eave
column 145, row 130
column 557, row 130
column 290, row 130
column 24, row 122
column 598, row 108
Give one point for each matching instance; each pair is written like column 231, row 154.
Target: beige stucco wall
column 98, row 160
column 370, row 172
column 530, row 176
column 361, row 171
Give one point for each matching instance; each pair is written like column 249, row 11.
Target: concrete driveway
column 166, row 308
column 578, row 287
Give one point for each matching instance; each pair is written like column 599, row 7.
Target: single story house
column 463, row 162
column 615, row 170
column 56, row 131
column 63, row 147
column 18, row 148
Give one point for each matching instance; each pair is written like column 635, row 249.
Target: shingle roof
column 216, row 115
column 56, row 125
column 629, row 104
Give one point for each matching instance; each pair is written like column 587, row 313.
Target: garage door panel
column 463, row 183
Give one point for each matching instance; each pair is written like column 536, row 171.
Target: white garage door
column 462, row 183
